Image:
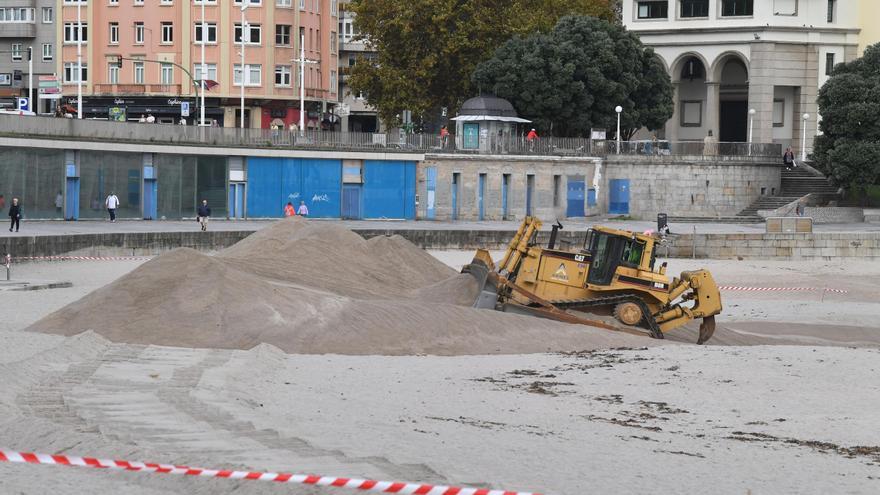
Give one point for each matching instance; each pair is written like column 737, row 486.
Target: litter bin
column 661, row 222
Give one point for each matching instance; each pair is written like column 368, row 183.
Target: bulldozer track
column 612, row 301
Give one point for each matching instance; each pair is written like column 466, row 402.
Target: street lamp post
column 752, row 113
column 806, row 117
column 618, row 109
column 244, row 6
column 33, row 107
column 79, row 61
column 204, row 69
column 302, row 81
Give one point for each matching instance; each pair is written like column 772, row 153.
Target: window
column 282, row 34
column 47, row 52
column 653, row 10
column 333, row 42
column 253, row 34
column 165, row 2
column 114, row 33
column 113, row 73
column 730, row 8
column 249, row 2
column 691, row 113
column 139, row 3
column 332, row 81
column 167, row 32
column 17, row 14
column 829, row 63
column 70, row 32
column 139, row 33
column 71, row 74
column 138, row 72
column 302, row 35
column 252, row 75
column 282, row 75
column 210, row 29
column 778, row 113
column 334, row 7
column 206, row 2
column 167, row 74
column 317, row 40
column 283, row 3
column 694, row 8
column 48, row 15
column 831, row 8
column 210, row 72
column 16, row 52
column 113, row 2
column 302, row 4
column 785, row 7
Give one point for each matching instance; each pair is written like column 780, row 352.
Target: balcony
column 321, row 94
column 137, row 89
column 18, row 30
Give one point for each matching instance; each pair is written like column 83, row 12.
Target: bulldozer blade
column 487, row 297
column 707, row 329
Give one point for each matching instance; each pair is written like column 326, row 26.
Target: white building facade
column 728, row 57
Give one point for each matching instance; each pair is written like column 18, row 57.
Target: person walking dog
column 204, row 214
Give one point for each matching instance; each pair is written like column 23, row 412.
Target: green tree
column 570, row 80
column 848, row 149
column 428, row 49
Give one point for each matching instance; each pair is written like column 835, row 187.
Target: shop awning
column 490, row 118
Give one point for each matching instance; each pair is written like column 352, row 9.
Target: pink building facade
column 160, row 42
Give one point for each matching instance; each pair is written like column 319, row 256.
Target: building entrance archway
column 734, row 101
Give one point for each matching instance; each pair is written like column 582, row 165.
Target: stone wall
column 469, row 168
column 835, row 215
column 708, row 187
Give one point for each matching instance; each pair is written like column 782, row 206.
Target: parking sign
column 23, row 104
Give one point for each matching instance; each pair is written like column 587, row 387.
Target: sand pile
column 312, row 288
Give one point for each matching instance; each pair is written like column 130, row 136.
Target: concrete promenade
column 63, row 228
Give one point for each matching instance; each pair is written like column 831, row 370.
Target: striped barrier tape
column 80, row 258
column 779, row 289
column 299, row 479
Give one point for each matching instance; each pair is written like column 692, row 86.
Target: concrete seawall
column 721, row 246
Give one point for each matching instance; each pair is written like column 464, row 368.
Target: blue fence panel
column 291, row 185
column 431, row 186
column 618, row 196
column 575, row 207
column 389, row 189
column 322, row 187
column 264, row 187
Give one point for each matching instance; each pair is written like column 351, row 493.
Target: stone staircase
column 796, row 183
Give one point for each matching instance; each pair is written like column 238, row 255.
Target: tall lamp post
column 244, row 6
column 79, row 61
column 302, row 82
column 204, row 70
column 618, row 109
column 752, row 113
column 806, row 117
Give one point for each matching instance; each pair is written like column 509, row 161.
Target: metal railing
column 506, row 144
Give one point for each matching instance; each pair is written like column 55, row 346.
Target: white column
column 79, row 61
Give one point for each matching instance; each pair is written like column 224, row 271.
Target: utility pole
column 204, row 69
column 302, row 81
column 79, row 61
column 31, row 79
column 244, row 6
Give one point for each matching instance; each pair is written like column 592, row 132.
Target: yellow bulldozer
column 613, row 271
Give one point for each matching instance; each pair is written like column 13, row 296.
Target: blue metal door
column 471, row 136
column 591, row 197
column 530, row 193
column 71, row 211
column 505, row 186
column 481, row 194
column 351, row 201
column 618, row 196
column 455, row 179
column 431, row 181
column 236, row 199
column 575, row 199
column 150, row 194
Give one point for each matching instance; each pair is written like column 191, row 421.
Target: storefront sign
column 116, row 114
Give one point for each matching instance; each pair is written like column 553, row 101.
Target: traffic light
column 119, row 61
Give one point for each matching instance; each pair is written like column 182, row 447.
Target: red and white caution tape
column 779, row 289
column 299, row 479
column 80, row 258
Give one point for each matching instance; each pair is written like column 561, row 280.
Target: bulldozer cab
column 608, row 251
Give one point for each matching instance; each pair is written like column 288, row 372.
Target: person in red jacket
column 288, row 210
column 532, row 137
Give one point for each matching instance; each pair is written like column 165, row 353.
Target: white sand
column 682, row 419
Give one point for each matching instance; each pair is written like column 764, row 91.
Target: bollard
column 694, row 244
column 8, row 263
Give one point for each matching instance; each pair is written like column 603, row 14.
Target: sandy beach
column 797, row 416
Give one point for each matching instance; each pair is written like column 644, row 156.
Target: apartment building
column 25, row 24
column 355, row 114
column 747, row 66
column 160, row 42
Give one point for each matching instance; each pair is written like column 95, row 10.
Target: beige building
column 744, row 67
column 161, row 43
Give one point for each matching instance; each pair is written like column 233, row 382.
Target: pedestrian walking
column 288, row 210
column 151, row 119
column 182, row 121
column 788, row 158
column 112, row 203
column 59, row 203
column 14, row 215
column 204, row 213
column 532, row 138
column 444, row 137
column 303, row 210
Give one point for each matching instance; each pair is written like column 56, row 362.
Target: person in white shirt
column 142, row 120
column 303, row 210
column 151, row 119
column 112, row 202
